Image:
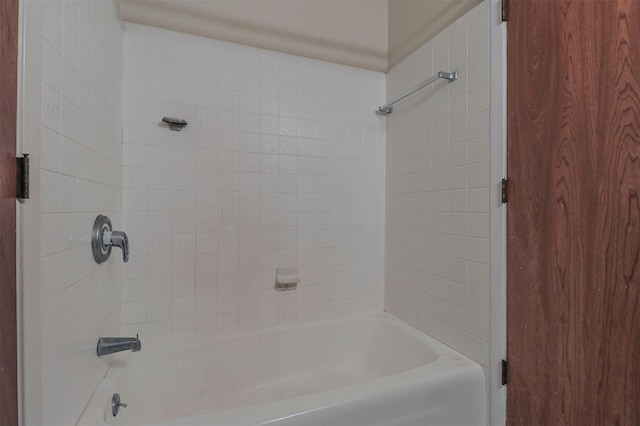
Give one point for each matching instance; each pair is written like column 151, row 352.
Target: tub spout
column 109, row 345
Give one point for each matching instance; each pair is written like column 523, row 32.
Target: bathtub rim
column 169, row 342
column 448, row 362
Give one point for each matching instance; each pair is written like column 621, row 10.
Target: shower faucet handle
column 118, row 239
column 103, row 238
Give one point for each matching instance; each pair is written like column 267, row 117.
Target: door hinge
column 504, row 9
column 503, row 373
column 22, row 170
column 503, row 190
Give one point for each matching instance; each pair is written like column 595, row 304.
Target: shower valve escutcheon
column 103, row 238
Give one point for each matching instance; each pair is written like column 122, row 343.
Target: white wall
column 437, row 190
column 80, row 169
column 281, row 165
column 352, row 33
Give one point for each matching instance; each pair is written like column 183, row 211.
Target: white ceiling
column 372, row 34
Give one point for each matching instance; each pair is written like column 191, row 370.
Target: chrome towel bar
column 387, row 108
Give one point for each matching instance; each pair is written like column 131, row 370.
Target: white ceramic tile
column 51, row 66
column 437, row 192
column 80, row 178
column 182, row 307
column 250, row 134
column 53, row 27
column 158, row 310
column 134, row 312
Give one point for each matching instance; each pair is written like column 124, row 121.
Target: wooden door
column 8, row 98
column 573, row 232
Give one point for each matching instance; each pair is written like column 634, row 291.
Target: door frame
column 498, row 215
column 28, row 214
column 8, row 125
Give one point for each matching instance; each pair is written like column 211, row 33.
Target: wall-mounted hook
column 103, row 237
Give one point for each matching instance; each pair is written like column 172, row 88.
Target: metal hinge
column 503, row 190
column 504, row 373
column 504, row 10
column 22, row 178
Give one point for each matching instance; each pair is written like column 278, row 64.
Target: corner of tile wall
column 437, row 189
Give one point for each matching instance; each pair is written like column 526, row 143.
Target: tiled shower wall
column 437, row 189
column 281, row 165
column 81, row 146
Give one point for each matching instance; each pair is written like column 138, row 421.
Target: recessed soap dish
column 287, row 278
column 174, row 123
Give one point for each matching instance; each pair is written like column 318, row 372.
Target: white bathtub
column 366, row 371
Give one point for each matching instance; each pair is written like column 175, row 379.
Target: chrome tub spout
column 109, row 345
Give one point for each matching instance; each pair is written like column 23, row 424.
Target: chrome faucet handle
column 119, row 239
column 116, row 404
column 103, row 237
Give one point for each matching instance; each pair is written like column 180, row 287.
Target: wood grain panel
column 8, row 93
column 573, row 236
